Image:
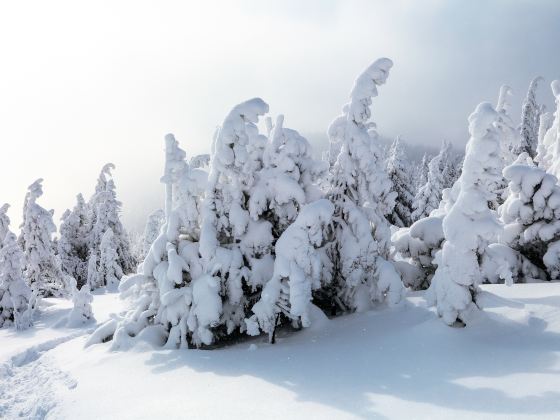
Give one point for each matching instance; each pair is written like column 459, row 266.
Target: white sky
column 83, row 83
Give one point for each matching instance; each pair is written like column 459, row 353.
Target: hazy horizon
column 85, row 84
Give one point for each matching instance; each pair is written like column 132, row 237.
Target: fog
column 82, row 84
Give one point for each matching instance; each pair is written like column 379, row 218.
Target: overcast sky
column 85, row 83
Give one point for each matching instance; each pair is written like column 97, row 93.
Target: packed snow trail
column 30, row 380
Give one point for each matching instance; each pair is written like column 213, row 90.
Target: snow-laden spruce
column 510, row 138
column 82, row 312
column 73, row 241
column 551, row 141
column 109, row 269
column 545, row 122
column 152, row 229
column 470, row 226
column 398, row 168
column 530, row 116
column 298, row 271
column 532, row 215
column 441, row 174
column 16, row 299
column 4, row 222
column 172, row 297
column 42, row 266
column 421, row 173
column 362, row 197
column 104, row 215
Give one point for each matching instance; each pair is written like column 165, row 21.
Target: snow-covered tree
column 532, row 214
column 172, row 294
column 16, row 299
column 231, row 241
column 105, row 215
column 470, row 225
column 398, row 169
column 529, row 128
column 4, row 222
column 509, row 136
column 441, row 171
column 298, row 271
column 362, row 197
column 42, row 266
column 109, row 271
column 72, row 244
column 551, row 140
column 421, row 176
column 288, row 179
column 545, row 122
column 82, row 312
column 151, row 231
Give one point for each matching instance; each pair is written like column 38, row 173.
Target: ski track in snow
column 30, row 379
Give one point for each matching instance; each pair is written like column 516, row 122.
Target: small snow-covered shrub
column 82, row 312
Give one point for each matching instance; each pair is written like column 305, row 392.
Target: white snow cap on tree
column 529, row 127
column 545, row 122
column 42, row 266
column 470, row 225
column 16, row 299
column 151, row 231
column 551, row 139
column 81, row 313
column 298, row 270
column 4, row 222
column 441, row 175
column 362, row 196
column 510, row 138
column 109, row 270
column 399, row 173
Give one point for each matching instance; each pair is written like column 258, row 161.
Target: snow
column 503, row 366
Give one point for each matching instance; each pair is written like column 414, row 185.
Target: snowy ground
column 389, row 363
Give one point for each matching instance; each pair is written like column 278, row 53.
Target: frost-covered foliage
column 288, row 179
column 532, row 214
column 4, row 222
column 441, row 174
column 398, row 168
column 16, row 300
column 530, row 115
column 419, row 245
column 545, row 122
column 151, row 231
column 551, row 140
column 173, row 297
column 42, row 266
column 298, row 271
column 109, row 269
column 81, row 313
column 421, row 175
column 73, row 241
column 362, row 196
column 470, row 226
column 105, row 215
column 233, row 241
column 509, row 136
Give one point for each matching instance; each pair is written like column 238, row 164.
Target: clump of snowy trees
column 92, row 250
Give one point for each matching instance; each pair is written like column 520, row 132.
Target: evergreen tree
column 153, row 226
column 109, row 272
column 16, row 300
column 470, row 225
column 551, row 140
column 362, row 197
column 42, row 266
column 397, row 167
column 4, row 222
column 82, row 312
column 72, row 244
column 441, row 171
column 529, row 127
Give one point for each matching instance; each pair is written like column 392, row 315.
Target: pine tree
column 441, row 172
column 230, row 238
column 510, row 137
column 72, row 244
column 298, row 271
column 422, row 173
column 42, row 266
column 397, row 167
column 4, row 222
column 16, row 300
column 104, row 215
column 529, row 127
column 153, row 226
column 82, row 312
column 362, row 197
column 545, row 122
column 551, row 140
column 470, row 225
column 109, row 269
